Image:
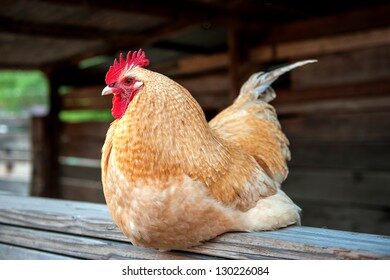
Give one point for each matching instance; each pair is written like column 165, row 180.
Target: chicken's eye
column 128, row 80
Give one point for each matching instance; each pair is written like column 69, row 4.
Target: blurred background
column 54, row 56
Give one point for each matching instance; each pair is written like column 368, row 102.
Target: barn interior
column 335, row 112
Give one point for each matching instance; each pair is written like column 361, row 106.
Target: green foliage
column 93, row 61
column 86, row 115
column 21, row 90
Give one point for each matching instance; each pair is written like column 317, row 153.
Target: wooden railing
column 56, row 229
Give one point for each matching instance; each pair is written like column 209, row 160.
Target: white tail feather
column 258, row 86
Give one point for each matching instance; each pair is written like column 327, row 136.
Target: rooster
column 171, row 180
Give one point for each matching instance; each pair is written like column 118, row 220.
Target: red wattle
column 119, row 106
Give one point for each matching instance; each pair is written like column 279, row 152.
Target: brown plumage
column 172, row 180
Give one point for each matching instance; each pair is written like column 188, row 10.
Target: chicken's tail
column 258, row 86
column 271, row 213
column 252, row 123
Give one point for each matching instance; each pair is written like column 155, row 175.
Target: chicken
column 171, row 180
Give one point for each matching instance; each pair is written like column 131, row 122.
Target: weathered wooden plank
column 344, row 216
column 11, row 252
column 340, row 187
column 88, row 219
column 333, row 106
column 336, row 128
column 82, row 247
column 344, row 68
column 66, row 216
column 294, row 243
column 333, row 44
column 374, row 89
column 346, row 155
column 320, row 26
column 292, row 50
column 342, row 199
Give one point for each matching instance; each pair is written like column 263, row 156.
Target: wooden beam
column 192, row 10
column 335, row 106
column 152, row 8
column 87, row 248
column 346, row 22
column 40, row 155
column 153, row 34
column 372, row 89
column 11, row 252
column 52, row 188
column 352, row 67
column 45, row 146
column 91, row 220
column 187, row 48
column 51, row 30
column 292, row 50
column 125, row 43
column 334, row 44
column 335, row 26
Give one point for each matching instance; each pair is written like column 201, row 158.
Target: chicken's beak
column 107, row 90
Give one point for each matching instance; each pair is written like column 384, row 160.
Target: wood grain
column 90, row 220
column 293, row 49
column 12, row 252
column 372, row 156
column 357, row 218
column 83, row 247
column 343, row 187
column 335, row 106
column 339, row 128
column 359, row 66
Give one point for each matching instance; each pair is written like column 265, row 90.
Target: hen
column 171, row 180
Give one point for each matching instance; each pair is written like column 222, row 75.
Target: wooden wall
column 340, row 140
column 336, row 114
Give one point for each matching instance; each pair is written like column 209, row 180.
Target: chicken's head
column 121, row 84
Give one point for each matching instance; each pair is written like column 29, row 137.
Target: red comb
column 136, row 58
